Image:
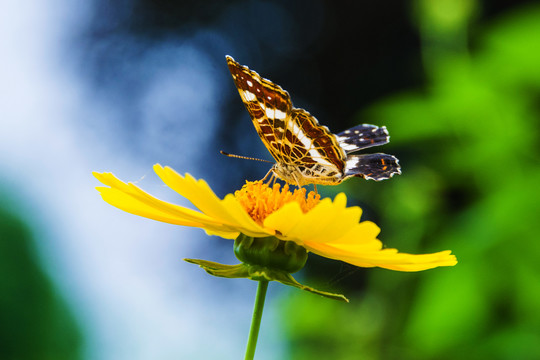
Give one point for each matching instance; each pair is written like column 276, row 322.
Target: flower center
column 260, row 200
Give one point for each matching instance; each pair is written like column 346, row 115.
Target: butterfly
column 305, row 151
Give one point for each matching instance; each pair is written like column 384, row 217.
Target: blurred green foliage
column 35, row 323
column 468, row 143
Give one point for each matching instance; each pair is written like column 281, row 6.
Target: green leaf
column 258, row 273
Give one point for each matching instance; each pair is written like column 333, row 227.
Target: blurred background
column 118, row 86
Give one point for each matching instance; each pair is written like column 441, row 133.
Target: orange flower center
column 260, row 200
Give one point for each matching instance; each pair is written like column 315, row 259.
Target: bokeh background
column 118, row 86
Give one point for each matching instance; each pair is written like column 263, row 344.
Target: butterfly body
column 305, row 151
column 302, row 175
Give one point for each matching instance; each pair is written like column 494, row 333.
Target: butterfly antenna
column 243, row 157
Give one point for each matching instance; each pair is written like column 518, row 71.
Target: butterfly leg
column 297, row 182
column 315, row 188
column 268, row 173
column 272, row 179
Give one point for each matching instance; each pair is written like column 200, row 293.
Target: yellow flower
column 324, row 227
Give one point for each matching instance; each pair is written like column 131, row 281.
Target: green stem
column 256, row 319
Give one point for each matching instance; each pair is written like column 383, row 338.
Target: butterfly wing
column 362, row 137
column 372, row 166
column 267, row 103
column 293, row 136
column 312, row 147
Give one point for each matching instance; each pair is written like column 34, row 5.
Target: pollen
column 260, row 200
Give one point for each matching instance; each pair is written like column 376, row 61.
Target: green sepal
column 287, row 279
column 270, row 252
column 258, row 273
column 221, row 270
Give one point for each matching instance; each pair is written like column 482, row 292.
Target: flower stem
column 256, row 319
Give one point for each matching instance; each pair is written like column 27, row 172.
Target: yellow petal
column 132, row 199
column 249, row 227
column 384, row 258
column 224, row 234
column 405, row 262
column 326, row 222
column 196, row 191
column 285, row 219
column 127, row 203
column 361, row 236
column 227, row 211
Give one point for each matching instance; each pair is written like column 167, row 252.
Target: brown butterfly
column 305, row 151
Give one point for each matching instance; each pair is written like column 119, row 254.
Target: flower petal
column 361, row 237
column 132, row 199
column 196, row 191
column 129, row 204
column 120, row 191
column 224, row 234
column 327, row 222
column 384, row 258
column 285, row 220
column 249, row 227
column 227, row 211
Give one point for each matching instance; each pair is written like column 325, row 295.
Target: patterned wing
column 372, row 166
column 311, row 146
column 267, row 103
column 293, row 136
column 362, row 137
